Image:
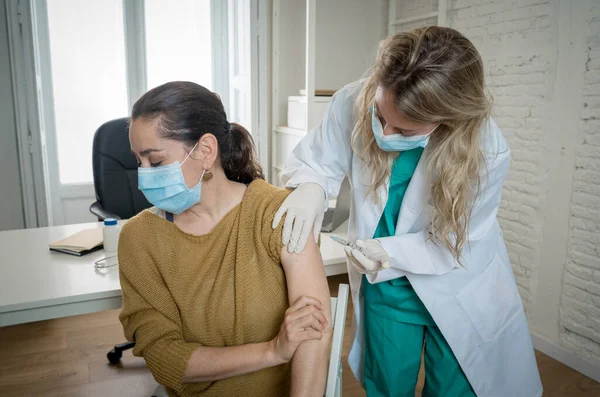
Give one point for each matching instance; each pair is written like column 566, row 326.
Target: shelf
column 319, row 93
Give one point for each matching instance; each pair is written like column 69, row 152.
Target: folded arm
column 151, row 318
column 172, row 360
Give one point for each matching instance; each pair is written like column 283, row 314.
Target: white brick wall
column 412, row 8
column 524, row 49
column 415, row 8
column 580, row 304
column 513, row 39
column 416, row 24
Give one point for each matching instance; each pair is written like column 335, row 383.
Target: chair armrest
column 101, row 213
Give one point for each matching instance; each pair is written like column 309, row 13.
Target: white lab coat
column 478, row 307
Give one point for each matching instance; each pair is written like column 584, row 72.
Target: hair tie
column 227, row 126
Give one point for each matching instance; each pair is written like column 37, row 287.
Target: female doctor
column 426, row 165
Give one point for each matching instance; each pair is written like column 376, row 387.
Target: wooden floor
column 66, row 358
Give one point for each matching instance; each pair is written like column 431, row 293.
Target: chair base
column 114, row 356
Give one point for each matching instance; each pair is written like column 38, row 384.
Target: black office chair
column 115, row 182
column 115, row 173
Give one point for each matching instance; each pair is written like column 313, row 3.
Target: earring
column 207, row 176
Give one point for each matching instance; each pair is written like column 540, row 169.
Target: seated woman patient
column 215, row 304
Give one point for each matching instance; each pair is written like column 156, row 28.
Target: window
column 88, row 78
column 87, row 62
column 97, row 51
column 178, row 42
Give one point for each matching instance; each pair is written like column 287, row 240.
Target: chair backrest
column 339, row 306
column 115, row 170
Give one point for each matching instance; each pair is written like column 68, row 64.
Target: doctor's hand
column 305, row 209
column 370, row 259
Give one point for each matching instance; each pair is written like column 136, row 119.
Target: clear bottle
column 110, row 234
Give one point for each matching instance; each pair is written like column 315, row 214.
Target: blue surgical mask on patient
column 165, row 188
column 396, row 142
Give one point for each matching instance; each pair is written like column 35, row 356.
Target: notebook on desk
column 80, row 243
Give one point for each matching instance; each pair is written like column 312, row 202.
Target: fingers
column 365, row 262
column 309, row 321
column 304, row 235
column 278, row 215
column 288, row 226
column 309, row 334
column 307, row 311
column 357, row 266
column 348, row 252
column 306, row 301
column 296, row 231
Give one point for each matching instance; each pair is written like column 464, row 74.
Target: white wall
column 347, row 33
column 542, row 60
column 580, row 300
column 11, row 200
column 291, row 51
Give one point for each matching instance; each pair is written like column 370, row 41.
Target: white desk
column 37, row 284
column 334, row 257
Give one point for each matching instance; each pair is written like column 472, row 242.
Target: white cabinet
column 335, row 46
column 297, row 112
column 285, row 140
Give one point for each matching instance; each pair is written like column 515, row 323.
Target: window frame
column 43, row 192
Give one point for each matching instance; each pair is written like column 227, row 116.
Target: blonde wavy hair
column 436, row 75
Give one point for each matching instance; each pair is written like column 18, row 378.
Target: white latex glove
column 370, row 259
column 305, row 209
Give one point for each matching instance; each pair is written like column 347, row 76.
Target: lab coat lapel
column 416, row 196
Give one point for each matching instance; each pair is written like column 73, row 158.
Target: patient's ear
column 208, row 150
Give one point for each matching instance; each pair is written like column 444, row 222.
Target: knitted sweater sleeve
column 150, row 316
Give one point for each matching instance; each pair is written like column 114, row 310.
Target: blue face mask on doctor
column 396, row 142
column 165, row 188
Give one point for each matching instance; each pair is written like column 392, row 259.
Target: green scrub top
column 396, row 299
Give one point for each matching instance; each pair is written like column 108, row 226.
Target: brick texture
column 580, row 304
column 513, row 38
column 518, row 40
column 415, row 8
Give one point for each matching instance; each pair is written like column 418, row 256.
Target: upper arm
column 305, row 275
column 304, row 272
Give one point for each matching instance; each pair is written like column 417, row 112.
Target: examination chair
column 115, row 173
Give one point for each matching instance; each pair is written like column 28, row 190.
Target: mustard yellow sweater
column 226, row 288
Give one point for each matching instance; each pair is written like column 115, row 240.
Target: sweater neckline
column 232, row 213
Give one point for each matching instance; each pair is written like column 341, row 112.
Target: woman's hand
column 303, row 321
